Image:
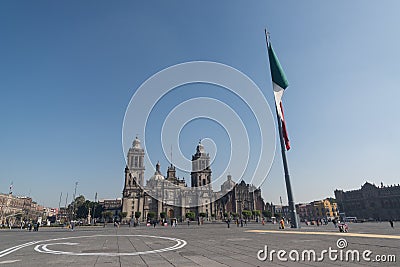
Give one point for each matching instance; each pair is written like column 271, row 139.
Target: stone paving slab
column 205, row 245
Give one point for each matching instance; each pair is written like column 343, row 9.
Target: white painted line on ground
column 10, row 261
column 238, row 239
column 326, row 233
column 43, row 247
column 15, row 248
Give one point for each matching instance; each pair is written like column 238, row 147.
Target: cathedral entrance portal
column 171, row 213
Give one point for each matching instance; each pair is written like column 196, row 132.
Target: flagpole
column 292, row 209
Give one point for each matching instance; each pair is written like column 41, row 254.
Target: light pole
column 59, row 208
column 94, row 206
column 73, row 202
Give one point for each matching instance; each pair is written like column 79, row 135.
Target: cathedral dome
column 136, row 143
column 157, row 175
column 228, row 184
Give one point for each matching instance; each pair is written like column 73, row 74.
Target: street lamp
column 73, row 203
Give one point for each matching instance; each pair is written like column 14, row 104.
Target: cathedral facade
column 171, row 195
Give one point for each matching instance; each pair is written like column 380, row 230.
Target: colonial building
column 15, row 208
column 111, row 205
column 305, row 211
column 370, row 202
column 172, row 196
column 319, row 209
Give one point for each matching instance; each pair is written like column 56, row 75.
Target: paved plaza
column 211, row 244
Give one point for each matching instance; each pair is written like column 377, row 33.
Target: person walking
column 391, row 223
column 282, row 224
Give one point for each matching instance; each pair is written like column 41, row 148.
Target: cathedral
column 171, row 195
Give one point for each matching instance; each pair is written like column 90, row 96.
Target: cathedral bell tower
column 201, row 171
column 134, row 176
column 136, row 162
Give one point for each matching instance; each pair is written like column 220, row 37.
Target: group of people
column 238, row 222
column 162, row 222
column 35, row 226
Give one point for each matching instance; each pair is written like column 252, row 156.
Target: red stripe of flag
column 284, row 131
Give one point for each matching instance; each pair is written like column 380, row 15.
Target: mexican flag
column 279, row 84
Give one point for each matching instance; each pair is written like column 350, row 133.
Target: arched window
column 136, row 162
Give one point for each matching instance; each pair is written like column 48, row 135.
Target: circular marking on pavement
column 15, row 248
column 326, row 233
column 10, row 261
column 43, row 248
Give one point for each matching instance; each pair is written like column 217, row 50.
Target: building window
column 203, row 164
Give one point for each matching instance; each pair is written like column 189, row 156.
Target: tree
column 137, row 214
column 79, row 201
column 163, row 215
column 202, row 214
column 98, row 210
column 151, row 215
column 82, row 208
column 256, row 213
column 267, row 213
column 108, row 215
column 122, row 215
column 190, row 215
column 246, row 214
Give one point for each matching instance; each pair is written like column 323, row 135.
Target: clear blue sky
column 69, row 69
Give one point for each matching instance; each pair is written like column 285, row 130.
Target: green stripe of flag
column 278, row 76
